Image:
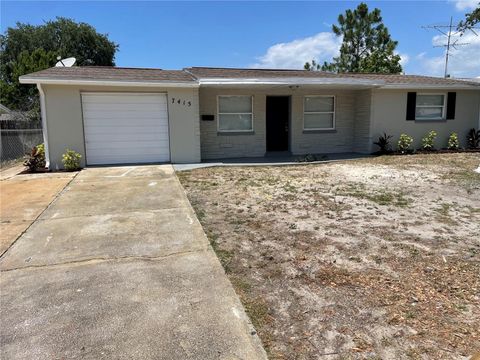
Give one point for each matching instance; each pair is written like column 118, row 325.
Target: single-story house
column 10, row 115
column 115, row 115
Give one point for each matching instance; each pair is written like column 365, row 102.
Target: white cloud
column 462, row 5
column 404, row 59
column 293, row 55
column 463, row 61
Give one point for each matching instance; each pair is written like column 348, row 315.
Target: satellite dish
column 68, row 62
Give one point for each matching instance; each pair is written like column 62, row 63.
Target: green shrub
column 429, row 140
column 36, row 159
column 404, row 143
column 473, row 138
column 71, row 160
column 453, row 141
column 384, row 143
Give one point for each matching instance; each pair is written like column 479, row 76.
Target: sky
column 267, row 34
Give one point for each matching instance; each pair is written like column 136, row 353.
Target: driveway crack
column 103, row 259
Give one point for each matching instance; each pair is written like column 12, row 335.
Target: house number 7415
column 181, row 102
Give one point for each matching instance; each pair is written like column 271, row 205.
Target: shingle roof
column 193, row 74
column 112, row 73
column 238, row 73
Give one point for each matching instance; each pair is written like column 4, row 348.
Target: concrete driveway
column 119, row 267
column 23, row 197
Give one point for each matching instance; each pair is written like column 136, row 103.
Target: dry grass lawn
column 368, row 259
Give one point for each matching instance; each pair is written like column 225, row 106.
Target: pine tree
column 471, row 19
column 367, row 45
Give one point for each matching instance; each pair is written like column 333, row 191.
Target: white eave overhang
column 242, row 82
column 53, row 81
column 294, row 81
column 431, row 87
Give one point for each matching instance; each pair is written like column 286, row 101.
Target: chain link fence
column 18, row 136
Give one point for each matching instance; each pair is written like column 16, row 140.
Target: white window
column 430, row 107
column 319, row 112
column 235, row 113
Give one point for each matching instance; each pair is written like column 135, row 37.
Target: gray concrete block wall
column 215, row 145
column 362, row 136
column 314, row 142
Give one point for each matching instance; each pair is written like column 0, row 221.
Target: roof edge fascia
column 430, row 86
column 53, row 81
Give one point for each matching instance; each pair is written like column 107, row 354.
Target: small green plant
column 36, row 159
column 312, row 157
column 428, row 141
column 384, row 143
column 453, row 141
column 473, row 139
column 71, row 160
column 404, row 143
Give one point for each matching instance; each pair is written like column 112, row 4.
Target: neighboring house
column 10, row 115
column 4, row 109
column 5, row 113
column 19, row 132
column 132, row 115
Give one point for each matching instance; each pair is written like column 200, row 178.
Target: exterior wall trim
column 428, row 87
column 43, row 112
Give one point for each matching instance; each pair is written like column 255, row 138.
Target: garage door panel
column 121, row 107
column 119, row 145
column 126, row 115
column 132, row 152
column 121, row 122
column 146, row 136
column 140, row 98
column 125, row 128
column 126, row 159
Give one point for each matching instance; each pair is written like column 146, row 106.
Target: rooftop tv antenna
column 68, row 62
column 449, row 31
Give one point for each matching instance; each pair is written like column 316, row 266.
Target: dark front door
column 278, row 114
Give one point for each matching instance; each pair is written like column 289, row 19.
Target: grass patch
column 225, row 256
column 443, row 214
column 255, row 307
column 198, row 211
column 288, row 187
column 380, row 197
column 466, row 178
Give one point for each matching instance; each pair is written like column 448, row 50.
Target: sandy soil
column 373, row 258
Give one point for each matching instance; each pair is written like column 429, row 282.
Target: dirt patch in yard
column 373, row 258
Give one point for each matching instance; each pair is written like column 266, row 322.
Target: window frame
column 444, row 107
column 320, row 112
column 219, row 113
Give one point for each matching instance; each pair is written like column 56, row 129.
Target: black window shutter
column 411, row 104
column 451, row 100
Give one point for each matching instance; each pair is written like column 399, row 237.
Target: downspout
column 43, row 111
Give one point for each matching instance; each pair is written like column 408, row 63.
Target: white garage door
column 123, row 128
